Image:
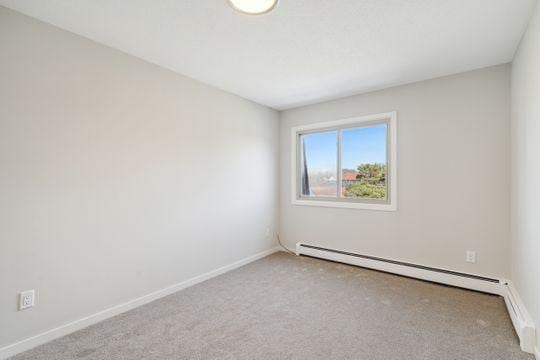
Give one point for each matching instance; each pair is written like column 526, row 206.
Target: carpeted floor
column 287, row 307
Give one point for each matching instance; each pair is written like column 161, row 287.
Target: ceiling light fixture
column 253, row 7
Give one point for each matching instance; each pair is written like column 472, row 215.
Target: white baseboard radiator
column 520, row 319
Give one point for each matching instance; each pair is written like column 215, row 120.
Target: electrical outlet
column 26, row 299
column 470, row 256
column 267, row 232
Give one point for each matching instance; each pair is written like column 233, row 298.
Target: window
column 346, row 163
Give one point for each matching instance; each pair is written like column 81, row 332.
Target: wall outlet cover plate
column 26, row 299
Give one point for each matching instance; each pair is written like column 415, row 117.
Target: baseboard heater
column 447, row 277
column 520, row 319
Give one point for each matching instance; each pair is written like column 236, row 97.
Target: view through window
column 345, row 163
column 364, row 162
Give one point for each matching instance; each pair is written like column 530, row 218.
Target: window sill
column 346, row 205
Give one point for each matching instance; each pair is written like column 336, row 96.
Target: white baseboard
column 29, row 343
column 521, row 320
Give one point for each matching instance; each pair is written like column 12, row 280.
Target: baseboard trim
column 521, row 320
column 44, row 337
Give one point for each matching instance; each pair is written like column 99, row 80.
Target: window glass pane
column 364, row 162
column 318, row 170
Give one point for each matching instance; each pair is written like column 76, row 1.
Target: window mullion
column 339, row 181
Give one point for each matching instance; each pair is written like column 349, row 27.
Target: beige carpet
column 287, row 307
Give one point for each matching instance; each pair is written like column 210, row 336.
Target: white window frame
column 389, row 205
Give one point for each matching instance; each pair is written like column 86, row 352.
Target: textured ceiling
column 306, row 50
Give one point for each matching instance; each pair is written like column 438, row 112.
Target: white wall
column 453, row 176
column 526, row 170
column 118, row 178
